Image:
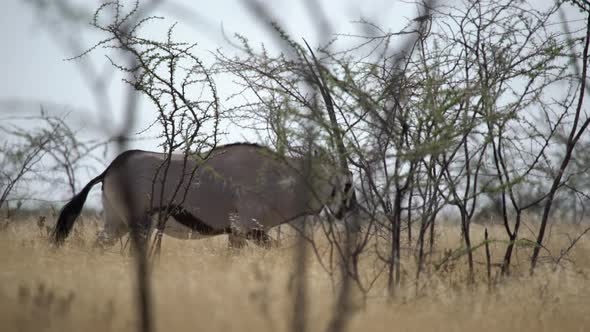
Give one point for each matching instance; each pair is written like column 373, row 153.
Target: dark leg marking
column 236, row 241
column 260, row 237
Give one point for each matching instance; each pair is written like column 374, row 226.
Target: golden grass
column 199, row 285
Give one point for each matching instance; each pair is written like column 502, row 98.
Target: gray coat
column 241, row 188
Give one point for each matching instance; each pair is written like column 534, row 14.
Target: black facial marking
column 344, row 204
column 333, row 193
column 347, row 187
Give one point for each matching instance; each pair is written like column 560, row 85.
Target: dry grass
column 199, row 285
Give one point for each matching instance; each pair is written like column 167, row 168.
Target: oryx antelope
column 240, row 189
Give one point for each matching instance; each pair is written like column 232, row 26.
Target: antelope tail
column 71, row 211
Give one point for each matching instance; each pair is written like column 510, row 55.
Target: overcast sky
column 35, row 44
column 34, row 71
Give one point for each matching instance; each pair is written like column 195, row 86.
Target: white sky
column 34, row 72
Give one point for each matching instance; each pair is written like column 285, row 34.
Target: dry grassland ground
column 200, row 286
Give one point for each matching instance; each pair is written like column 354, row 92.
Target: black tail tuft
column 70, row 212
